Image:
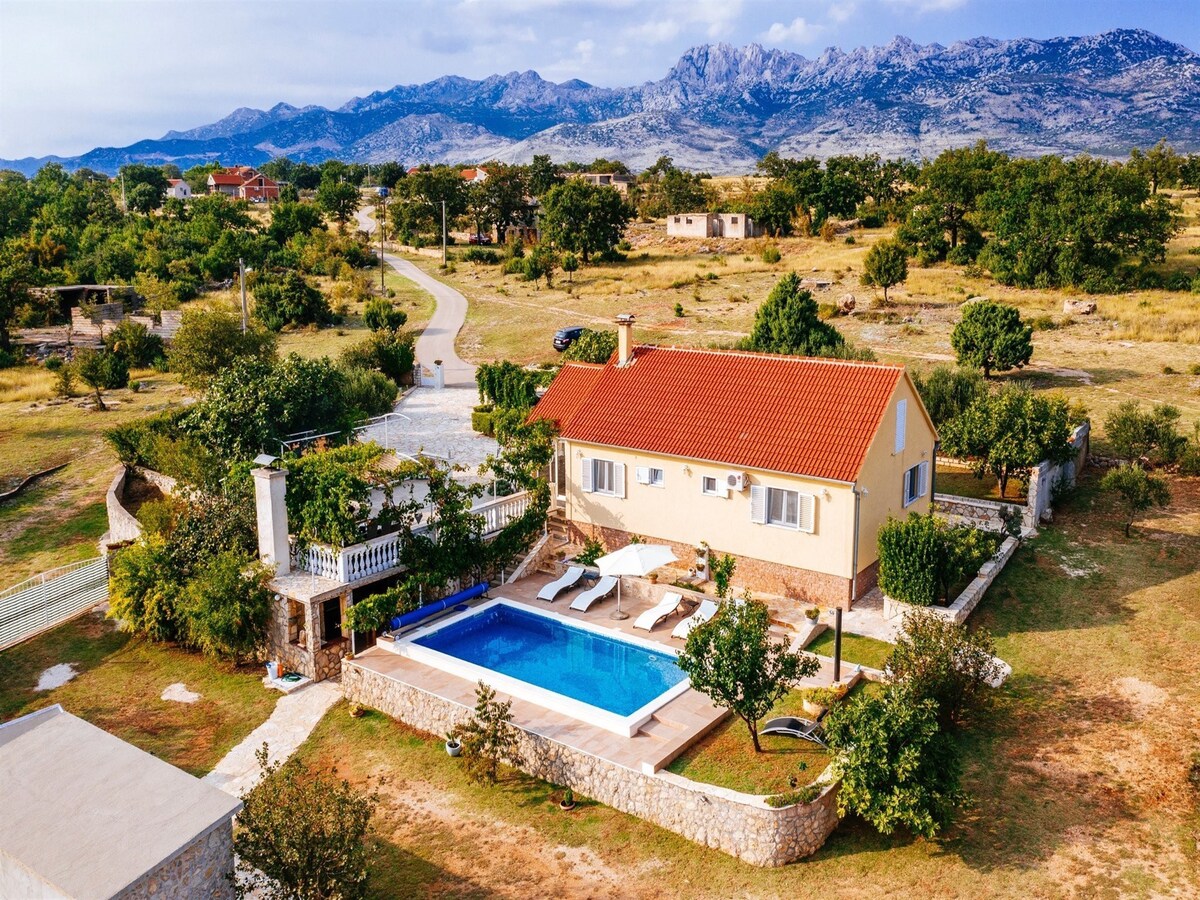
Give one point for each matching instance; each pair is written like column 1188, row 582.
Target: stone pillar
column 439, row 374
column 270, row 488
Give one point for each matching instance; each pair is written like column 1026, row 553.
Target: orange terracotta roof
column 789, row 414
column 571, row 388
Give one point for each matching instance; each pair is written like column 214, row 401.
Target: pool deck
column 673, row 728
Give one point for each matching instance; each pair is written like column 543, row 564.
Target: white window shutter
column 806, row 521
column 758, row 504
column 923, row 480
column 619, row 480
column 641, row 474
column 901, row 423
column 585, row 474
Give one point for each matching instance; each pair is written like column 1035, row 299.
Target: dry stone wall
column 738, row 824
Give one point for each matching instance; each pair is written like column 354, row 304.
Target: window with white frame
column 711, row 486
column 783, row 508
column 650, row 475
column 602, row 476
column 916, row 483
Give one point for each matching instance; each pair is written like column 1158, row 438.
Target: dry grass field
column 1139, row 345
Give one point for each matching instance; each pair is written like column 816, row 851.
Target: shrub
column 134, row 343
column 390, row 352
column 592, row 551
column 379, row 315
column 290, row 300
column 210, row 341
column 771, row 254
column 488, row 738
column 507, row 384
column 481, row 422
column 482, row 255
column 100, row 370
column 944, row 662
column 514, row 265
column 678, row 310
column 1152, row 435
column 721, row 569
column 592, row 346
column 226, row 609
column 947, row 391
column 374, row 612
column 922, row 558
column 368, row 392
column 144, row 589
column 304, row 833
column 1137, row 489
column 991, row 336
column 898, row 769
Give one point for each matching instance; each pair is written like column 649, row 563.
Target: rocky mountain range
column 720, row 108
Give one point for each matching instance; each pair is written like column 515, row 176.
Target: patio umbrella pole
column 618, row 614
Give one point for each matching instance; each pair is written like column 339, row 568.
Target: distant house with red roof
column 790, row 464
column 245, row 183
column 474, row 176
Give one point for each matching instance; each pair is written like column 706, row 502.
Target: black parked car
column 565, row 337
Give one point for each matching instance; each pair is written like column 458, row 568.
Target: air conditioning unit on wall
column 735, row 481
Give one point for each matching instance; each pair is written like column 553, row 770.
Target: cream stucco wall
column 883, row 471
column 679, row 511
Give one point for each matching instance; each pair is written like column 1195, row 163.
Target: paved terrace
column 673, row 728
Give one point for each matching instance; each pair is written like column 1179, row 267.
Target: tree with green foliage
column 506, row 384
column 375, row 611
column 787, row 322
column 1056, row 223
column 419, row 206
column 774, row 209
column 992, row 336
column 949, row 194
column 1009, row 431
column 367, row 392
column 339, row 198
column 290, row 218
column 488, row 737
column 226, row 607
column 896, row 766
column 100, row 370
column 387, row 174
column 209, row 341
column 1152, row 436
column 290, row 300
column 733, row 660
column 304, row 833
column 592, row 347
column 886, row 265
column 1137, row 489
column 948, row 391
column 541, row 262
column 541, row 175
column 379, row 314
column 584, row 218
column 923, row 557
column 570, row 265
column 1160, row 165
column 144, row 588
column 197, row 176
column 329, row 493
column 134, row 343
column 939, row 660
column 145, row 186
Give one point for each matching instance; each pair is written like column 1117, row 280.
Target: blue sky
column 75, row 75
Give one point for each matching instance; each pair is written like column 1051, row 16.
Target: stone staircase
column 556, row 527
column 669, row 738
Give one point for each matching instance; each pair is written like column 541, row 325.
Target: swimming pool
column 589, row 673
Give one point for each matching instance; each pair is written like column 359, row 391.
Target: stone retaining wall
column 123, row 527
column 738, row 824
column 966, row 602
column 203, row 869
column 986, row 515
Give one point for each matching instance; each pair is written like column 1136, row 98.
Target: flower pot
column 453, row 748
column 566, row 806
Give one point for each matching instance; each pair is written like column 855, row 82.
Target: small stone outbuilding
column 88, row 815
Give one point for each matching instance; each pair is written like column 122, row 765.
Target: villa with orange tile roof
column 790, row 464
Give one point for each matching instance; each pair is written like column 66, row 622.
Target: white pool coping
column 626, row 726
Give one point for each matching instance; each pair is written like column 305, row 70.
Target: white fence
column 52, row 597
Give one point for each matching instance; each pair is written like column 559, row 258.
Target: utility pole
column 124, row 204
column 242, row 282
column 382, row 230
column 443, row 234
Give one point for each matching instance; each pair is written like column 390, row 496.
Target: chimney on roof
column 625, row 339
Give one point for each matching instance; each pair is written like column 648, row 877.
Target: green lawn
column 120, row 685
column 726, row 757
column 865, row 651
column 961, row 483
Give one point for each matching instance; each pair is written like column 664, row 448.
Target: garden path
column 294, row 718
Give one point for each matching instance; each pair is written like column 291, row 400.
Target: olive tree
column 1137, row 489
column 886, row 265
column 101, row 370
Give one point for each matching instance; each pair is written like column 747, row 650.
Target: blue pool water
column 613, row 675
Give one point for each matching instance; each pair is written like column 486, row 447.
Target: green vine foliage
column 374, row 612
column 507, row 384
column 329, row 493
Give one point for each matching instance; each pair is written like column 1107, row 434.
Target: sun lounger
column 565, row 582
column 805, row 729
column 603, row 588
column 655, row 614
column 707, row 610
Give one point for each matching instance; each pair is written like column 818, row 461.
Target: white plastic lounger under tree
column 603, row 588
column 655, row 614
column 707, row 610
column 565, row 582
column 806, row 729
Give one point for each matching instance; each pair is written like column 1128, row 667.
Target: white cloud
column 654, row 32
column 800, row 31
column 585, row 48
column 843, row 11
